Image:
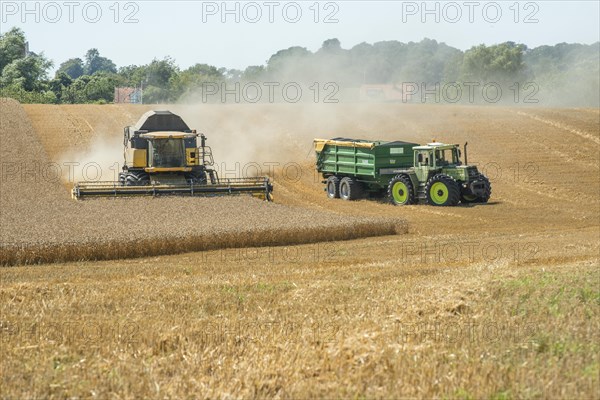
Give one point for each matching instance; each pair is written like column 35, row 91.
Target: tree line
column 564, row 72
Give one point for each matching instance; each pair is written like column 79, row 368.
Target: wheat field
column 494, row 301
column 42, row 224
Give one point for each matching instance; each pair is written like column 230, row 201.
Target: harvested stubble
column 40, row 223
column 360, row 323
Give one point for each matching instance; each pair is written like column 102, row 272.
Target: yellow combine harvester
column 163, row 157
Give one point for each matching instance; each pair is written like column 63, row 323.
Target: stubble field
column 499, row 300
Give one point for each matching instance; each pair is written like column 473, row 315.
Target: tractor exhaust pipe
column 465, row 147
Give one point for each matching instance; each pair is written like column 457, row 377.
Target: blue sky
column 238, row 34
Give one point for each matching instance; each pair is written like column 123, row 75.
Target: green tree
column 76, row 92
column 96, row 63
column 97, row 88
column 133, row 75
column 330, row 63
column 254, row 73
column 73, row 67
column 28, row 73
column 567, row 74
column 191, row 79
column 501, row 62
column 155, row 95
column 59, row 84
column 101, row 87
column 331, row 46
column 12, row 47
column 293, row 63
column 160, row 73
column 233, row 74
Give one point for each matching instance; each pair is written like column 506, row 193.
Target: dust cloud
column 101, row 160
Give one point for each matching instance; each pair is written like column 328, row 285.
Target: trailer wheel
column 350, row 189
column 400, row 191
column 442, row 190
column 333, row 187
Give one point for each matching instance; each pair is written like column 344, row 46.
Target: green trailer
column 403, row 171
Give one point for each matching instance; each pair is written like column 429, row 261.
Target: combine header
column 163, row 157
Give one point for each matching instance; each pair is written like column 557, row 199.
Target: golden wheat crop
column 40, row 223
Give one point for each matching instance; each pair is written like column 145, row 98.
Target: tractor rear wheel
column 350, row 189
column 333, row 187
column 442, row 190
column 400, row 191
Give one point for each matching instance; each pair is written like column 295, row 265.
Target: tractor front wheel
column 442, row 190
column 487, row 192
column 400, row 191
column 468, row 198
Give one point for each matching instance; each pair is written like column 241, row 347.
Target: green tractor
column 406, row 172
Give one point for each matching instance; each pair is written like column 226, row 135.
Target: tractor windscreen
column 446, row 157
column 167, row 153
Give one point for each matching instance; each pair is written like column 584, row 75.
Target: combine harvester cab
column 404, row 172
column 163, row 157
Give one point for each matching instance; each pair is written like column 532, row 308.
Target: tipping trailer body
column 371, row 162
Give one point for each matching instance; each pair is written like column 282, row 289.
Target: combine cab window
column 167, row 153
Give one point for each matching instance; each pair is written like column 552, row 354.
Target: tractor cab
column 437, row 155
